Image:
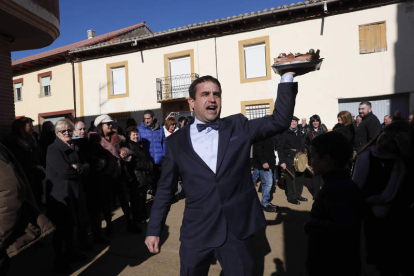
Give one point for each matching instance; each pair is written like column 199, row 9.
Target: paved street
column 280, row 248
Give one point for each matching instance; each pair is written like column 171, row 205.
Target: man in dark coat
column 222, row 209
column 290, row 143
column 368, row 128
column 264, row 160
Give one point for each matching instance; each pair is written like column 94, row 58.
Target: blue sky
column 103, row 16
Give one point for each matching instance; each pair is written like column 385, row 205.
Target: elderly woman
column 169, row 126
column 66, row 204
column 139, row 169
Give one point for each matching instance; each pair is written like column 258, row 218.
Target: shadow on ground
column 295, row 243
column 126, row 249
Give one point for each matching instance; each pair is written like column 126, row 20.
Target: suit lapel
column 191, row 152
column 225, row 131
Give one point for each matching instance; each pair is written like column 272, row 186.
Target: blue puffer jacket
column 153, row 141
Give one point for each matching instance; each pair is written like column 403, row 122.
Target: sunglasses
column 66, row 130
column 109, row 124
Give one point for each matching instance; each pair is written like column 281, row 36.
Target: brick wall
column 6, row 88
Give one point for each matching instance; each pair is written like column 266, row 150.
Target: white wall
column 344, row 73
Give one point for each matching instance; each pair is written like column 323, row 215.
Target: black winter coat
column 264, row 152
column 139, row 166
column 366, row 131
column 334, row 227
column 348, row 131
column 287, row 141
column 65, row 180
column 311, row 133
column 29, row 154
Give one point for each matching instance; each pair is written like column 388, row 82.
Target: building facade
column 366, row 46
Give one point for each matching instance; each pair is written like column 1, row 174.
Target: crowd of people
column 71, row 178
column 361, row 181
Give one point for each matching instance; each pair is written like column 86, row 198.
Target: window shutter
column 46, row 81
column 180, row 66
column 118, row 81
column 372, row 38
column 255, row 61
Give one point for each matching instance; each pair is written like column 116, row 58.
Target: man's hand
column 152, row 243
column 283, row 166
column 75, row 166
column 265, row 166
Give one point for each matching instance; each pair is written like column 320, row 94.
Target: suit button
column 217, row 180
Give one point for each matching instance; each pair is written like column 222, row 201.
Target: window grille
column 257, row 111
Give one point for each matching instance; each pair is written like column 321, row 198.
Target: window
column 178, row 74
column 257, row 111
column 18, row 91
column 254, row 59
column 180, row 77
column 372, row 38
column 257, row 108
column 118, row 81
column 46, row 86
column 117, row 75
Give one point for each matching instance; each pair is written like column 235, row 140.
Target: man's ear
column 191, row 102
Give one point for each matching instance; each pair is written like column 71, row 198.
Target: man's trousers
column 235, row 257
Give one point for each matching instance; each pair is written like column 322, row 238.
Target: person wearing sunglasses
column 169, row 126
column 66, row 204
column 110, row 179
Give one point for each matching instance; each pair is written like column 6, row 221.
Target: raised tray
column 312, row 65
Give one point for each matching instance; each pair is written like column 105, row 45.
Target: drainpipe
column 74, row 88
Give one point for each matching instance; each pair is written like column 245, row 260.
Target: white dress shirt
column 205, row 144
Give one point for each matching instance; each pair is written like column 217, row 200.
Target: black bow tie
column 213, row 125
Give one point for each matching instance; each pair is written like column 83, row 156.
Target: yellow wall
column 61, row 92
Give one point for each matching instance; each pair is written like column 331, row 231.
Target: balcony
column 174, row 87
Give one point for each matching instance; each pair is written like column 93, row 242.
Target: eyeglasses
column 66, row 130
column 109, row 124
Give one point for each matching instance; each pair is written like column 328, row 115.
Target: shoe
column 294, row 201
column 269, row 208
column 101, row 240
column 109, row 229
column 302, row 198
column 132, row 228
column 276, row 206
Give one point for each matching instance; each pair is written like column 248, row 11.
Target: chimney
column 91, row 34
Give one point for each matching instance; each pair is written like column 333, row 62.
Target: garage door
column 381, row 105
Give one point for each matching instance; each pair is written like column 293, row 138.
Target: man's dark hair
column 335, row 145
column 366, row 103
column 131, row 122
column 181, row 119
column 193, row 87
column 358, row 116
column 150, row 112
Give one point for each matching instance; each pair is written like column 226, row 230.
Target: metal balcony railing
column 174, row 87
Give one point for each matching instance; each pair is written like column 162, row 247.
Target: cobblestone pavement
column 280, row 248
